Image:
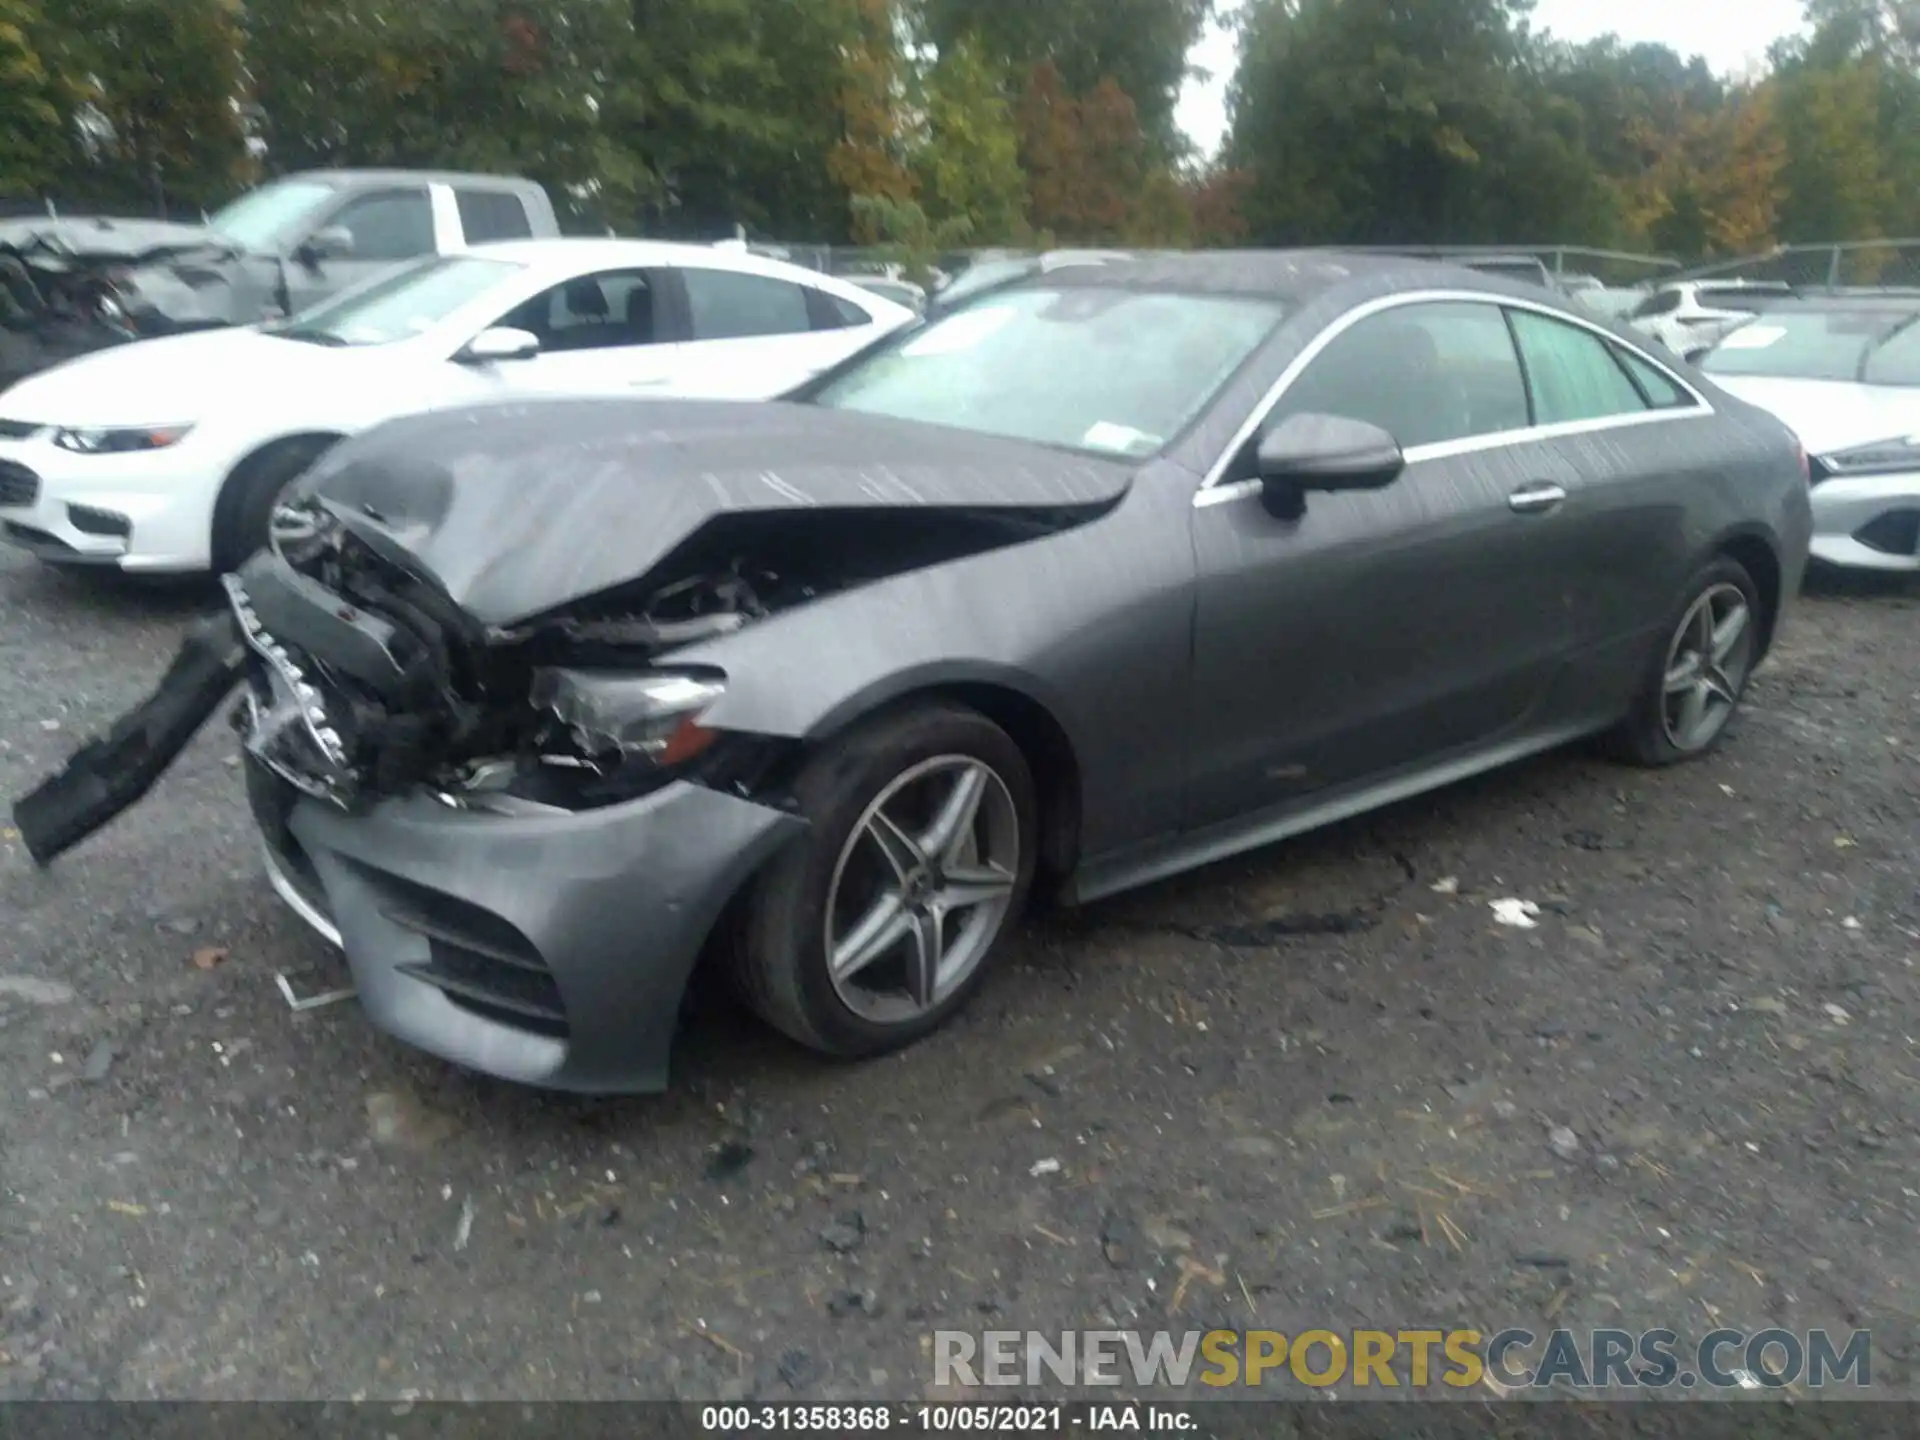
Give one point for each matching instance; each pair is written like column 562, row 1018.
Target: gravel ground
column 1317, row 1086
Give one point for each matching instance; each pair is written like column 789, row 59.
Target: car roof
column 563, row 256
column 355, row 179
column 1292, row 276
column 567, row 252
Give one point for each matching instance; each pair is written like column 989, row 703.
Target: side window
column 1661, row 302
column 729, row 305
column 1425, row 374
column 830, row 312
column 594, row 312
column 487, row 215
column 1660, row 391
column 1898, row 361
column 389, row 225
column 1572, row 372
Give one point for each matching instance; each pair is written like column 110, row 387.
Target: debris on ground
column 1522, row 914
column 1048, row 1166
column 98, row 1062
column 35, row 991
column 728, row 1159
column 463, row 1232
column 312, row 1002
column 1563, row 1142
column 846, row 1234
column 207, row 957
column 1446, row 885
column 854, row 1302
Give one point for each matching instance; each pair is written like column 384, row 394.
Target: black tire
column 779, row 946
column 244, row 510
column 1645, row 736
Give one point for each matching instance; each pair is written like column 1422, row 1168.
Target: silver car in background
column 1844, row 372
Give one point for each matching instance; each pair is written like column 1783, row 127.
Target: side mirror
column 328, row 244
column 1324, row 452
column 501, row 343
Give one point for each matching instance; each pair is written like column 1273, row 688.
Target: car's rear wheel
column 243, row 515
column 878, row 925
column 1699, row 670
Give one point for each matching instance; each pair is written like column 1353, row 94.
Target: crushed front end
column 522, row 839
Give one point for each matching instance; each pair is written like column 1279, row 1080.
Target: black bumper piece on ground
column 112, row 772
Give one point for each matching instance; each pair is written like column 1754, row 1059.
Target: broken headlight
column 615, row 717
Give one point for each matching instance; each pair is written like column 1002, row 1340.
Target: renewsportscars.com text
column 1404, row 1359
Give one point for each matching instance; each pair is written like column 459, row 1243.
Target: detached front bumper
column 549, row 948
column 147, row 512
column 1868, row 522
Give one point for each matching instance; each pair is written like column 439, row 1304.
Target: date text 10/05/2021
column 960, row 1418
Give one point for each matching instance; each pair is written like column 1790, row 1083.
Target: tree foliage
column 35, row 101
column 1141, row 45
column 916, row 122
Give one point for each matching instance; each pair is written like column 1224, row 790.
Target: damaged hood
column 166, row 276
column 517, row 509
column 108, row 242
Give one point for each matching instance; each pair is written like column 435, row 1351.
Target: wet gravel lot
column 1317, row 1086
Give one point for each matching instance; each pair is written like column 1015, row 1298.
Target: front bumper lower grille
column 1895, row 533
column 477, row 960
column 18, row 484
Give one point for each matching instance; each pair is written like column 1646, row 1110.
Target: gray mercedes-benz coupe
column 1112, row 570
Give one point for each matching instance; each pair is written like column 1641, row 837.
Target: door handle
column 1533, row 499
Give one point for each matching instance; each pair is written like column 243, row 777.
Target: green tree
column 968, row 162
column 868, row 161
column 479, row 84
column 736, row 105
column 1379, row 121
column 163, row 121
column 1835, row 174
column 1141, row 45
column 36, row 103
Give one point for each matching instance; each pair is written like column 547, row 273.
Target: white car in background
column 168, row 455
column 1687, row 316
column 1843, row 371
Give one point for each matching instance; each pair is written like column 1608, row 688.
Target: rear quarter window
column 489, row 215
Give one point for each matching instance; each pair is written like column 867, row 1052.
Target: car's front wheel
column 1699, row 671
column 878, row 925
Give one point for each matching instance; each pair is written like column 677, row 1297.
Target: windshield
column 1113, row 372
column 398, row 304
column 1807, row 344
column 261, row 219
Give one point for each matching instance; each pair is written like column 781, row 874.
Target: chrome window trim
column 1213, row 492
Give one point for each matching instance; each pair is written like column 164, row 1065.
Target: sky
column 1692, row 27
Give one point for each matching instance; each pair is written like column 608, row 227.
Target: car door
column 1627, row 439
column 604, row 333
column 1382, row 630
column 384, row 227
column 754, row 336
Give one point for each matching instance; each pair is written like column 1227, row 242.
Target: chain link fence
column 1826, row 265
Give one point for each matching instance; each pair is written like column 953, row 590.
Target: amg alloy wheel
column 921, row 889
column 1696, row 677
column 877, row 925
column 1707, row 667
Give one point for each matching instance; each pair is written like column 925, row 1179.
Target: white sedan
column 1843, row 371
column 169, row 454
